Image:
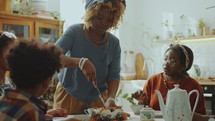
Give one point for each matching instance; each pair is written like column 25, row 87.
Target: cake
column 109, row 114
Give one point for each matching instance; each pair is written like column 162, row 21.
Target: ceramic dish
column 81, row 117
column 158, row 114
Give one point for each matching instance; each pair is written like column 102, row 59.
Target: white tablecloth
column 86, row 118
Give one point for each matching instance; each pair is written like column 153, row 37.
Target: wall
column 143, row 20
column 71, row 11
column 53, row 5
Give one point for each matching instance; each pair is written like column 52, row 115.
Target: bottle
column 147, row 114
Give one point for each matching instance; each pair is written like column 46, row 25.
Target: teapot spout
column 161, row 103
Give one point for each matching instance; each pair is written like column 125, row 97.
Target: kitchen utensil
column 177, row 106
column 100, row 95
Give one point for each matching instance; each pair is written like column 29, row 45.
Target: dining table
column 84, row 117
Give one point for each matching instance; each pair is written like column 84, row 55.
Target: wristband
column 82, row 62
column 110, row 98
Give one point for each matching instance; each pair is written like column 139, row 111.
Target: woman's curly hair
column 30, row 63
column 116, row 7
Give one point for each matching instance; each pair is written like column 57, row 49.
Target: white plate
column 81, row 117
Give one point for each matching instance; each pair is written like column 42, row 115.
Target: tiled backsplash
column 204, row 57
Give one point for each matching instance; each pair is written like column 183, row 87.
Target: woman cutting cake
column 91, row 41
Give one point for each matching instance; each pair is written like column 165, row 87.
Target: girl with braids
column 178, row 59
column 6, row 41
column 91, row 41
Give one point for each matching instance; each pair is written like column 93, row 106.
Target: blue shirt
column 105, row 58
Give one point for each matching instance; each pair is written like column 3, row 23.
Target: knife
column 100, row 95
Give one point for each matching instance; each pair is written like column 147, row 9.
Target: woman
column 178, row 60
column 91, row 41
column 6, row 40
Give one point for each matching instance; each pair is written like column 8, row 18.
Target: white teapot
column 177, row 106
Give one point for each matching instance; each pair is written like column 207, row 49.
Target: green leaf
column 182, row 17
column 119, row 93
column 131, row 101
column 125, row 95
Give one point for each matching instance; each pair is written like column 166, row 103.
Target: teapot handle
column 197, row 99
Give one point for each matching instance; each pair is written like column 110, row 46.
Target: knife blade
column 100, row 95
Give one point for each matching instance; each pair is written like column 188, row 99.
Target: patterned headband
column 90, row 3
column 187, row 62
column 9, row 35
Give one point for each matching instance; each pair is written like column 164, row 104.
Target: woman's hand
column 199, row 117
column 72, row 119
column 87, row 67
column 90, row 72
column 59, row 112
column 110, row 102
column 140, row 96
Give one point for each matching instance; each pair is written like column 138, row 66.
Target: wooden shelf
column 196, row 39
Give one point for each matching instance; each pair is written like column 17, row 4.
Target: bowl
column 136, row 109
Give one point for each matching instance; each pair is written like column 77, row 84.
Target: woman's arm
column 69, row 62
column 88, row 69
column 59, row 112
column 199, row 117
column 112, row 90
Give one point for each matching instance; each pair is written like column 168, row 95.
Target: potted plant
column 190, row 26
column 124, row 96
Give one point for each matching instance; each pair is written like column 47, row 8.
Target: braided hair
column 5, row 39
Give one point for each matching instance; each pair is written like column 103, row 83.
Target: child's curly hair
column 116, row 7
column 30, row 63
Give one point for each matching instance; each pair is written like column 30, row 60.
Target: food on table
column 109, row 114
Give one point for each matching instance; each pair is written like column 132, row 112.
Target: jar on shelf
column 39, row 5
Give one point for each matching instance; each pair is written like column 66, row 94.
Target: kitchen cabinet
column 209, row 93
column 5, row 5
column 30, row 27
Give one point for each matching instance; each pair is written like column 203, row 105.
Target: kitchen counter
column 206, row 82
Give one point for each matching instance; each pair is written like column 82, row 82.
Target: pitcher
column 177, row 106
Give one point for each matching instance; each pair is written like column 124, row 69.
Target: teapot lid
column 147, row 108
column 176, row 88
